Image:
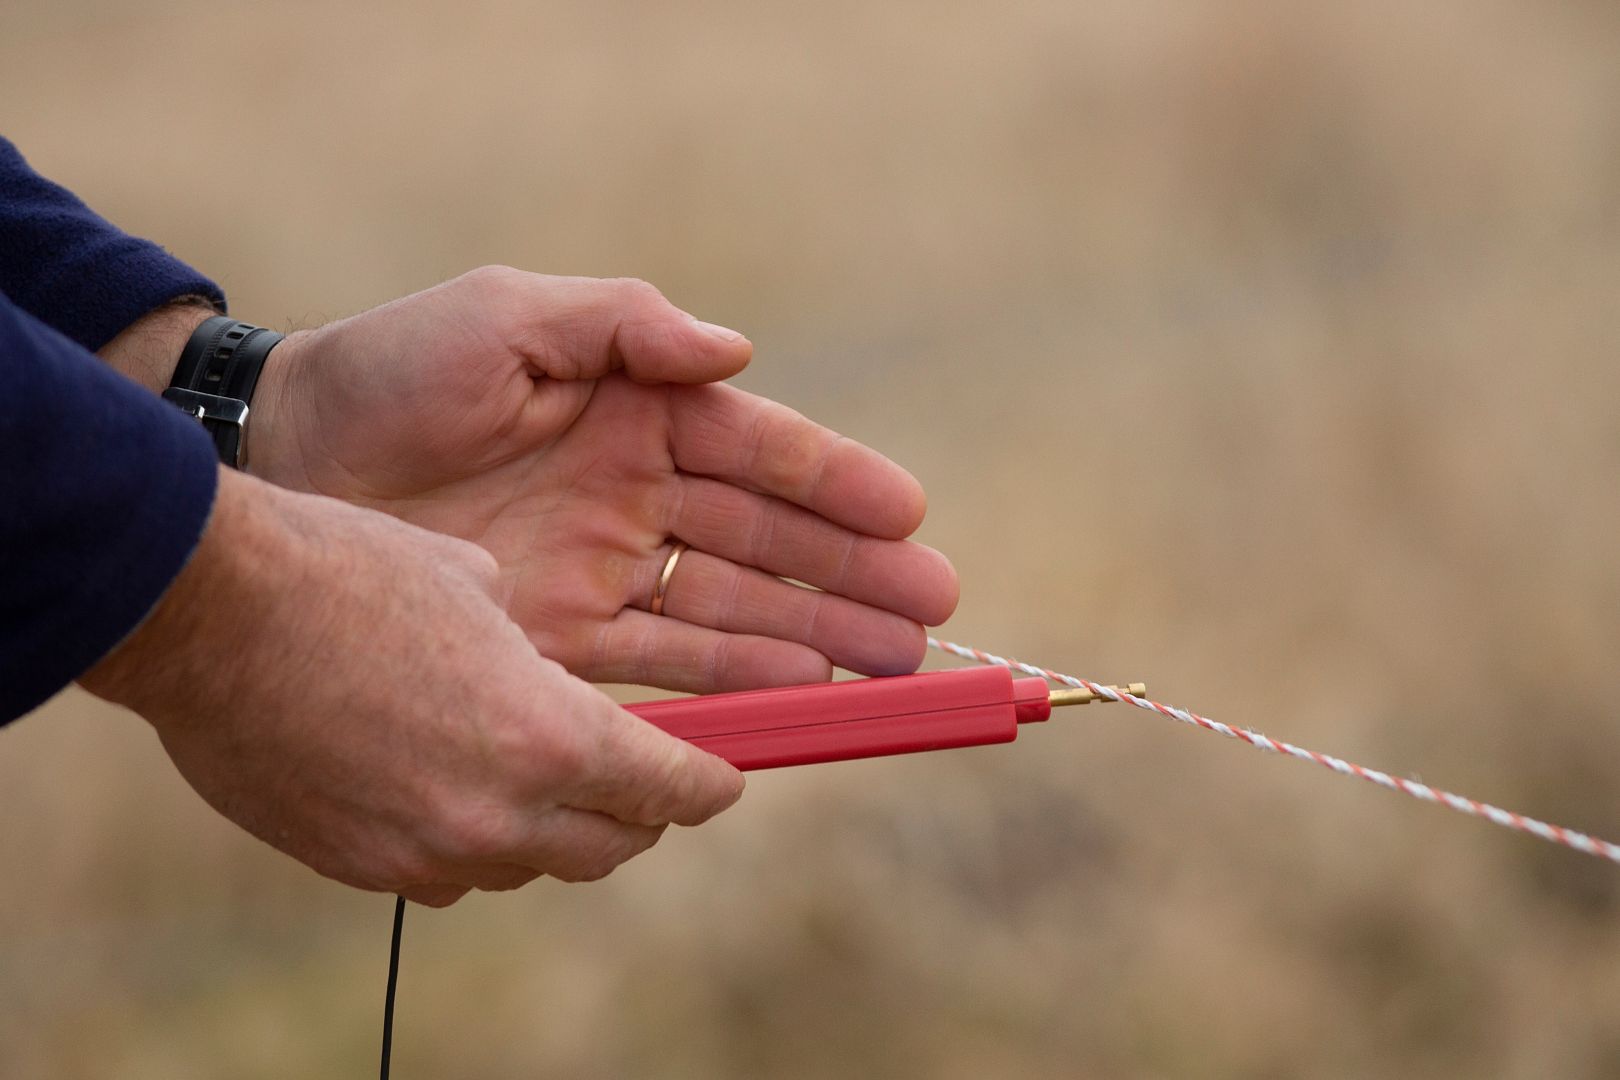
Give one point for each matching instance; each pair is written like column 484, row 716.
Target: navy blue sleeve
column 104, row 487
column 104, row 492
column 74, row 271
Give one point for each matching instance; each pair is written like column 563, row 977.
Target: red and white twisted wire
column 1556, row 834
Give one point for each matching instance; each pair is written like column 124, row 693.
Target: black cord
column 393, row 978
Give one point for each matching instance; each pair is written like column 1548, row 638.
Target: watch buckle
column 211, row 408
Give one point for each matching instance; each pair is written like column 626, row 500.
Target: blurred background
column 1263, row 351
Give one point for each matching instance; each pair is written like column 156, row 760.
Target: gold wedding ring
column 663, row 578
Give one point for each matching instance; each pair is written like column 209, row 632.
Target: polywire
column 1556, row 834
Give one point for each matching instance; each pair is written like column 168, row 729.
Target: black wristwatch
column 214, row 381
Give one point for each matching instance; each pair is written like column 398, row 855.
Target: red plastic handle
column 906, row 714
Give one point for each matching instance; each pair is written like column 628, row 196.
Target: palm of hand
column 453, row 410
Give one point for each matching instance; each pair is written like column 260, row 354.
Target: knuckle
column 475, row 834
column 596, row 864
column 667, row 783
column 719, row 665
column 493, row 277
column 434, row 896
column 481, row 563
column 500, row 293
column 407, row 869
column 705, row 799
column 761, row 539
column 636, row 291
column 785, row 450
column 469, row 559
column 595, row 870
column 508, row 879
column 539, row 755
column 564, row 756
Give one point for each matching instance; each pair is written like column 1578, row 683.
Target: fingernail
column 717, row 331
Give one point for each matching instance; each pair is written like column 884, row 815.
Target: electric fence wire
column 393, row 980
column 1555, row 834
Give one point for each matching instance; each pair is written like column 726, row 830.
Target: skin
column 348, row 688
column 461, row 504
column 571, row 426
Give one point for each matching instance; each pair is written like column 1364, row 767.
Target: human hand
column 347, row 688
column 566, row 425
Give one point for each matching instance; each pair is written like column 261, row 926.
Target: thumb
column 583, row 328
column 639, row 774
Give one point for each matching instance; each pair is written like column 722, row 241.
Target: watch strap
column 215, row 378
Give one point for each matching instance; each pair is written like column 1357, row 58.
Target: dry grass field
column 1268, row 352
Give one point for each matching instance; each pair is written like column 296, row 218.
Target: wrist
column 272, row 437
column 148, row 349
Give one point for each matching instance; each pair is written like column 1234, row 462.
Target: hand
column 567, row 426
column 347, row 688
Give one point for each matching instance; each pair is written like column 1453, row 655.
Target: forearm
column 148, row 349
column 216, row 594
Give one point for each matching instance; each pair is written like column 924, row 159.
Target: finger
column 723, row 432
column 714, row 592
column 570, row 844
column 495, row 877
column 460, row 878
column 657, row 650
column 557, row 841
column 909, row 579
column 632, row 771
column 583, row 328
column 437, row 896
